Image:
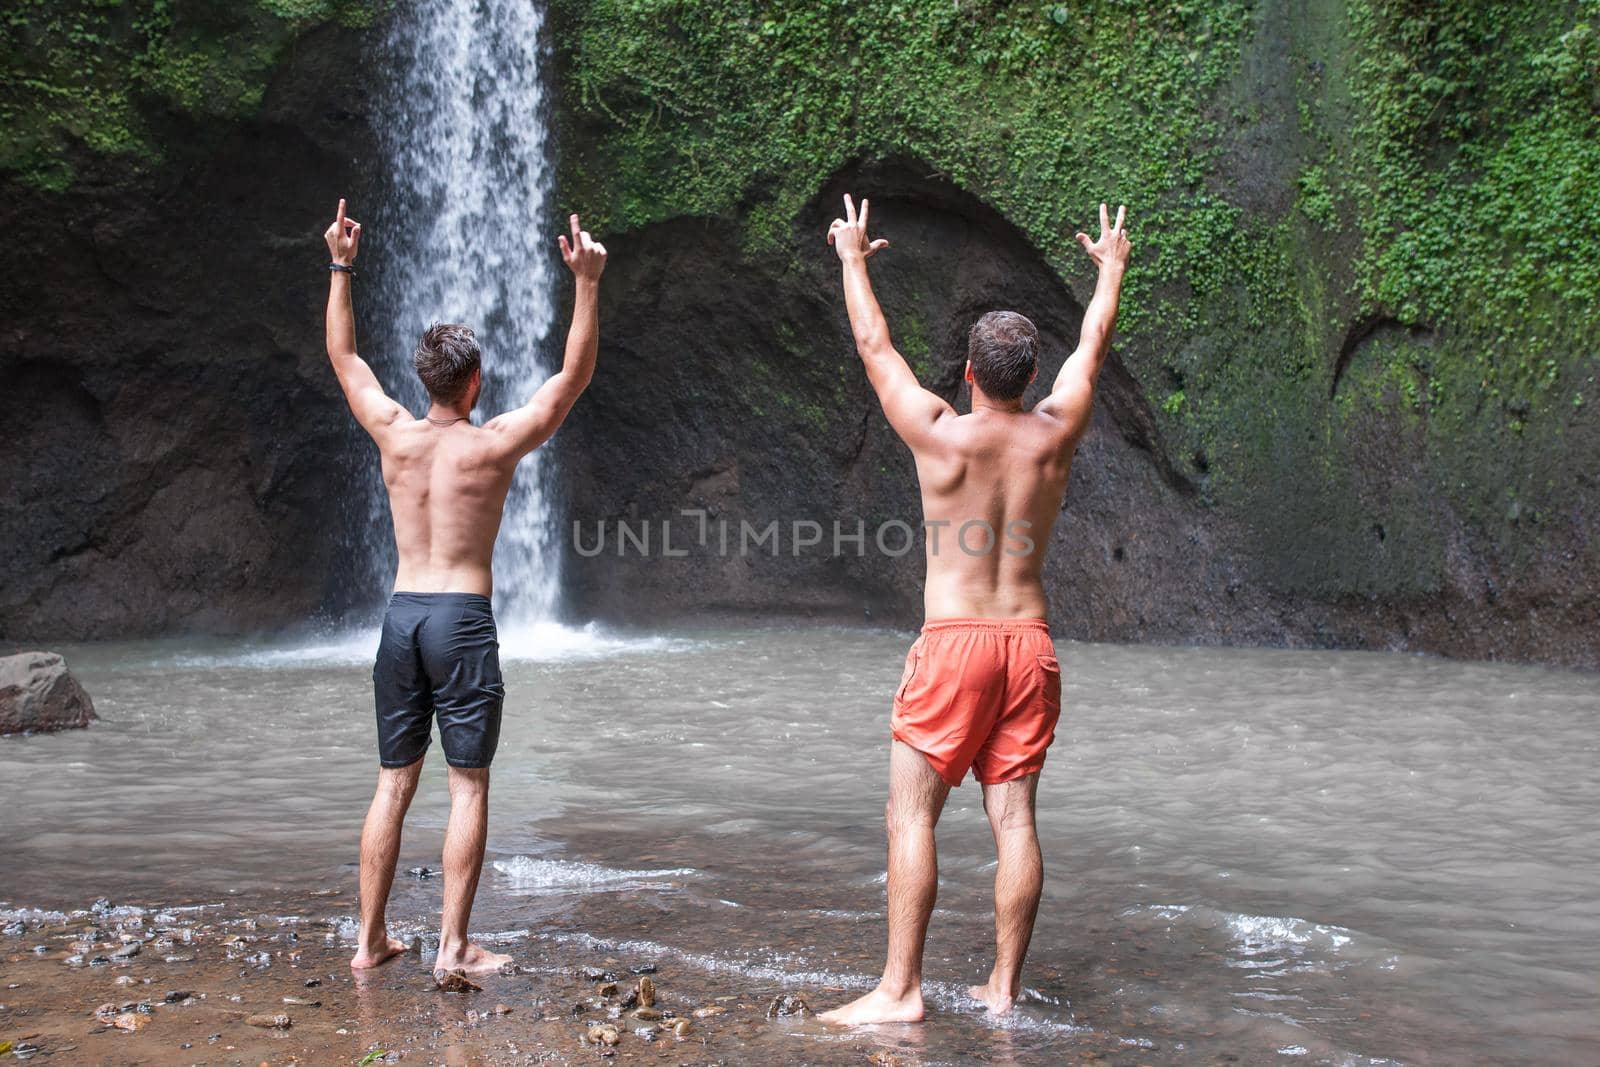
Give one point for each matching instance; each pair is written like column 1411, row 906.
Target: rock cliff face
column 1328, row 422
column 175, row 452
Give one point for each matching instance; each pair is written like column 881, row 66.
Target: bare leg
column 380, row 848
column 1018, row 881
column 463, row 862
column 916, row 797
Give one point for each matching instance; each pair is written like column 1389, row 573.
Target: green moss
column 82, row 75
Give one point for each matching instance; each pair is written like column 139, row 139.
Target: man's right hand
column 1113, row 247
column 343, row 237
column 848, row 235
column 584, row 256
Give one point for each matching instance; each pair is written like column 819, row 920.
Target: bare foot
column 997, row 1003
column 877, row 1007
column 471, row 958
column 382, row 952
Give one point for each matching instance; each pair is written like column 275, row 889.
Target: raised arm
column 1071, row 399
column 910, row 409
column 526, row 428
column 372, row 407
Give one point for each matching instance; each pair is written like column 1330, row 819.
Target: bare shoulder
column 1064, row 413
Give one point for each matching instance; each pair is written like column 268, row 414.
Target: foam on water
column 532, row 642
column 526, row 873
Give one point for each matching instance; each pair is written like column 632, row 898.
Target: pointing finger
column 1105, row 220
column 849, row 209
column 340, row 213
column 1122, row 212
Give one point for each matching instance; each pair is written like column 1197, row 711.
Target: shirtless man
column 439, row 655
column 982, row 687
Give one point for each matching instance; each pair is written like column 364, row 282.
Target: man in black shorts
column 439, row 657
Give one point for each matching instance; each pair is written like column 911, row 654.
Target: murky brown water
column 1251, row 856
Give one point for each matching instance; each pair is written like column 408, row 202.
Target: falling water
column 465, row 239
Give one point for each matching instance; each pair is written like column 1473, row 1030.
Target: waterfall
column 466, row 237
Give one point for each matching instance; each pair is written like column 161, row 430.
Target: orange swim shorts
column 980, row 693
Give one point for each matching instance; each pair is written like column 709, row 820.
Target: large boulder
column 38, row 694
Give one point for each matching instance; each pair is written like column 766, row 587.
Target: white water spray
column 467, row 239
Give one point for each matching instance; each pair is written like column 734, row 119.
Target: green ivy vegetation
column 87, row 74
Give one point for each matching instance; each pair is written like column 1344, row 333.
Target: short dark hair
column 445, row 358
column 1004, row 350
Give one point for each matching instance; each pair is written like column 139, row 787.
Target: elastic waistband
column 439, row 598
column 1002, row 625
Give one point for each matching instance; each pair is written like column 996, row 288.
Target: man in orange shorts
column 982, row 688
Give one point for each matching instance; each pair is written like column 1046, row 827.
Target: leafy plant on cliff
column 85, row 74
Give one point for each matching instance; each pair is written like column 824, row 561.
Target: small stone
column 709, row 1011
column 454, row 982
column 682, row 1027
column 647, row 991
column 629, row 999
column 312, row 983
column 607, row 989
column 604, row 1034
column 502, row 1009
column 178, row 996
column 126, row 979
column 648, row 1015
column 270, row 1022
column 785, row 1004
column 302, row 1002
column 645, row 968
column 131, row 1020
column 646, row 1033
column 126, row 952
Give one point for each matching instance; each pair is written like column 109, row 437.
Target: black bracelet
column 343, row 268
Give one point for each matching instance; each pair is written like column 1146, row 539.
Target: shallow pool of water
column 1306, row 857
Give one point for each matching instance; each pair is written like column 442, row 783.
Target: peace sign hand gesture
column 1113, row 247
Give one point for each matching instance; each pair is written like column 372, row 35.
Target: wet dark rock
column 597, row 974
column 629, row 999
column 786, row 1004
column 423, row 872
column 178, row 996
column 580, row 1007
column 454, row 982
column 312, row 983
column 38, row 695
column 270, row 1022
column 645, row 968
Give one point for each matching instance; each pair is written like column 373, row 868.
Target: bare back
column 447, row 490
column 992, row 483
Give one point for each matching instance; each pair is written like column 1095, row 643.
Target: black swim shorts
column 439, row 654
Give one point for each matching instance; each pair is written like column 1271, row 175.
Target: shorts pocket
column 1050, row 680
column 913, row 658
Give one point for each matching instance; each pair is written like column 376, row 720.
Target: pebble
column 598, row 974
column 607, row 989
column 646, row 1033
column 178, row 996
column 270, row 1022
column 647, row 992
column 131, row 1020
column 302, row 1002
column 645, row 968
column 785, row 1004
column 126, row 952
column 454, row 982
column 605, row 1034
column 710, row 1010
column 682, row 1027
column 648, row 1015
